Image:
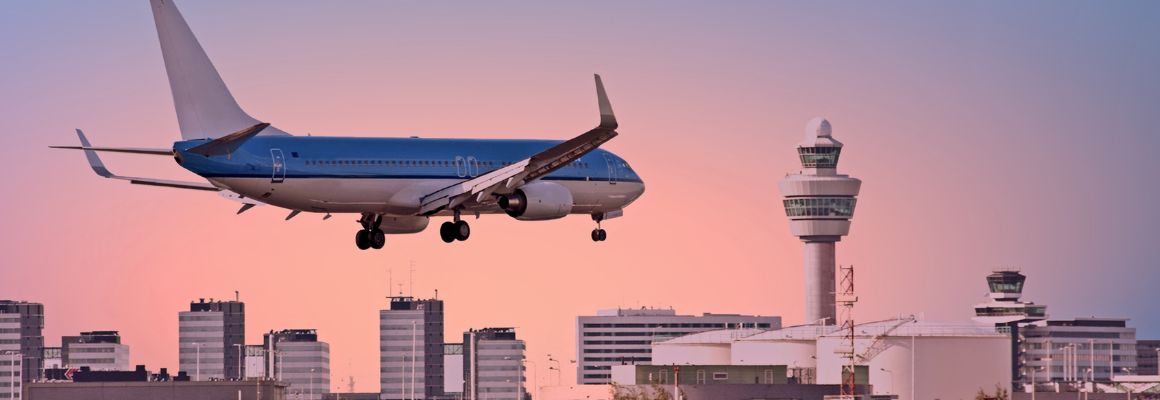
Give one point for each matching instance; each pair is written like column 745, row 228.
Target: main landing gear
column 456, row 229
column 370, row 237
column 598, row 234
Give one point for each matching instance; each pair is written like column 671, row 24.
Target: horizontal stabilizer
column 130, row 150
column 99, row 167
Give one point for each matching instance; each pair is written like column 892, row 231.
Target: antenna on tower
column 411, row 279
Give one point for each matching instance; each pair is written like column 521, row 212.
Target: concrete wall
column 691, row 353
column 943, row 367
column 250, row 390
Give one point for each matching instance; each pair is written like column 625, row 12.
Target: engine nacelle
column 404, row 224
column 538, row 201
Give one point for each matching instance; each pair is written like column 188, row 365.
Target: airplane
column 396, row 185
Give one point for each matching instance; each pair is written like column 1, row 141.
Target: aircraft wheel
column 603, row 234
column 462, row 230
column 446, row 232
column 595, row 235
column 362, row 239
column 377, row 239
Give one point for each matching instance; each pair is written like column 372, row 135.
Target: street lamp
column 310, row 392
column 1033, row 389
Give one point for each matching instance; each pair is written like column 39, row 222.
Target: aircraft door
column 278, row 165
column 613, row 169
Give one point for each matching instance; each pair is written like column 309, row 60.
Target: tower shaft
column 820, row 285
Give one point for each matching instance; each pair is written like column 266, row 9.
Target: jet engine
column 538, row 201
column 403, row 224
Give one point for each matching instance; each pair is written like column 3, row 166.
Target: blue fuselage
column 348, row 174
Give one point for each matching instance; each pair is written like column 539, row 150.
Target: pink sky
column 984, row 139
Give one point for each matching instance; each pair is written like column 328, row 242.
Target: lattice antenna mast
column 846, row 300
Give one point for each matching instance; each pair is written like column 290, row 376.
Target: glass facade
column 842, row 207
column 1006, row 283
column 819, row 157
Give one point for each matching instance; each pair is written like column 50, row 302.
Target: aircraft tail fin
column 205, row 107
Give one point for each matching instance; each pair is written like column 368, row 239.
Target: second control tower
column 819, row 204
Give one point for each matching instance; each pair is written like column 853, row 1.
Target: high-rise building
column 1147, row 357
column 1082, row 349
column 1006, row 311
column 97, row 350
column 625, row 336
column 819, row 203
column 411, row 349
column 21, row 345
column 300, row 360
column 211, row 339
column 493, row 364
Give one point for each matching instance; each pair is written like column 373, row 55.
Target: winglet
column 607, row 118
column 94, row 160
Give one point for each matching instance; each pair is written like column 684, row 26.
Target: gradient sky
column 987, row 134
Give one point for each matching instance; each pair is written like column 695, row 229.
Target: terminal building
column 97, row 350
column 625, row 336
column 210, row 339
column 904, row 357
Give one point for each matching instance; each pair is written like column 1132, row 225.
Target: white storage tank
column 704, row 348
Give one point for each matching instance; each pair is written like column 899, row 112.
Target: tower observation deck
column 819, row 204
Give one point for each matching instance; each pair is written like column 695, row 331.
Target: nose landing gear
column 598, row 234
column 370, row 237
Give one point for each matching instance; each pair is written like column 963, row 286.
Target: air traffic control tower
column 819, row 203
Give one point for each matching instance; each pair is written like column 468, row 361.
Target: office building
column 1005, row 310
column 453, row 370
column 211, row 339
column 493, row 364
column 301, row 361
column 819, row 203
column 625, row 336
column 97, row 350
column 411, row 349
column 1147, row 357
column 1078, row 350
column 21, row 345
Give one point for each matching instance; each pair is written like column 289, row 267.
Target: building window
column 819, row 157
column 720, row 376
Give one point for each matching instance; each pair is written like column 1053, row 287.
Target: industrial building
column 96, row 350
column 211, row 339
column 625, row 336
column 411, row 349
column 300, row 360
column 819, row 204
column 255, row 362
column 905, row 357
column 493, row 364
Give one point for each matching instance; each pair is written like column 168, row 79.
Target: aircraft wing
column 507, row 179
column 99, row 168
